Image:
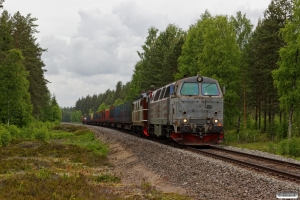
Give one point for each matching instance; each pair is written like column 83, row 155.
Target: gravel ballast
column 174, row 170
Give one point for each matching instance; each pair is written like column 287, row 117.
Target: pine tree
column 264, row 53
column 158, row 64
column 6, row 38
column 56, row 114
column 23, row 32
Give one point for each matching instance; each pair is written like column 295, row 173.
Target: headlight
column 199, row 79
column 216, row 121
column 185, row 121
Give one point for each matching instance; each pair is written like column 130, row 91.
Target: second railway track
column 278, row 168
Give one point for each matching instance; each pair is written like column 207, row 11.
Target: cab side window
column 157, row 95
column 162, row 93
column 167, row 92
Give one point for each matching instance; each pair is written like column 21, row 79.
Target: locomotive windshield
column 210, row 89
column 189, row 89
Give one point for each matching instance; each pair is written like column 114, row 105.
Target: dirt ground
column 131, row 170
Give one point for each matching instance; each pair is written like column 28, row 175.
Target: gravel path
column 138, row 160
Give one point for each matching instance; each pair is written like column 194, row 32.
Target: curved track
column 283, row 169
column 278, row 168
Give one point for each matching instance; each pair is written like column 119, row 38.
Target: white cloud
column 93, row 44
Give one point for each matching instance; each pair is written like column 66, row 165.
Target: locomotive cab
column 191, row 112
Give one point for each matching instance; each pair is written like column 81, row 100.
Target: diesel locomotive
column 189, row 111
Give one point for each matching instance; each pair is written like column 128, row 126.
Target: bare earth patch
column 126, row 165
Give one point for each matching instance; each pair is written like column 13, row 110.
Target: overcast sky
column 93, row 44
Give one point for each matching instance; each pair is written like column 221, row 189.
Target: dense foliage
column 286, row 77
column 258, row 66
column 23, row 89
column 217, row 55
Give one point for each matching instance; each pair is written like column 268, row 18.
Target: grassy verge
column 61, row 162
column 256, row 141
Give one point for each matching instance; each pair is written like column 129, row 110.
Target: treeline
column 258, row 66
column 24, row 95
column 91, row 104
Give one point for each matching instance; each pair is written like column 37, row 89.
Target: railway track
column 278, row 168
column 283, row 170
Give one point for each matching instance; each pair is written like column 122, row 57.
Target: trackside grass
column 257, row 141
column 60, row 161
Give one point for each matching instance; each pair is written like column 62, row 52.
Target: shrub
column 294, row 147
column 5, row 136
column 15, row 132
column 27, row 133
column 272, row 148
column 282, row 131
column 289, row 147
column 283, row 147
column 41, row 133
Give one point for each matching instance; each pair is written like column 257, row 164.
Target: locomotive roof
column 187, row 79
column 194, row 79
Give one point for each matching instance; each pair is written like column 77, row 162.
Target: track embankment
column 171, row 169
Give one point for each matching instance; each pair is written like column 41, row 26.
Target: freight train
column 189, row 111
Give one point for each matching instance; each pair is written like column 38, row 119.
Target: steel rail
column 296, row 165
column 225, row 158
column 248, row 164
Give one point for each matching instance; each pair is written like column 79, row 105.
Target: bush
column 289, row 147
column 41, row 133
column 294, row 147
column 5, row 136
column 27, row 133
column 283, row 147
column 244, row 136
column 282, row 131
column 272, row 148
column 15, row 132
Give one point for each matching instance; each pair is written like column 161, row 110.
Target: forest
column 258, row 65
column 24, row 95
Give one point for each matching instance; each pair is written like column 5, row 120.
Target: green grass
column 48, row 185
column 106, row 178
column 261, row 142
column 79, row 136
column 61, row 162
column 260, row 146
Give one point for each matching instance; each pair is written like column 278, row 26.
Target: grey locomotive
column 190, row 111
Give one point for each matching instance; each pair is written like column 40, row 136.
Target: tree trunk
column 265, row 116
column 259, row 115
column 245, row 110
column 290, row 122
column 256, row 116
column 270, row 112
column 280, row 117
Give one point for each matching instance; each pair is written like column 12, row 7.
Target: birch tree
column 286, row 77
column 15, row 106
